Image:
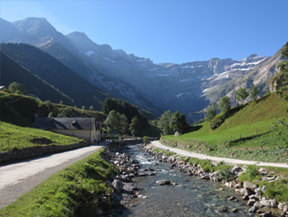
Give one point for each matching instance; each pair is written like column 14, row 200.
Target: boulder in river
column 163, row 182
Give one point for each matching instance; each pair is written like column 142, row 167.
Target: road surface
column 18, row 178
column 217, row 159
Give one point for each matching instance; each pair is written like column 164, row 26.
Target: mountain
column 12, row 71
column 188, row 87
column 54, row 72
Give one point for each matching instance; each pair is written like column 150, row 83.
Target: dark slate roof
column 65, row 123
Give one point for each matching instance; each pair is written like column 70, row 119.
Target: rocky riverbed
column 248, row 191
column 149, row 184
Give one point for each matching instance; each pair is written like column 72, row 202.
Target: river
column 191, row 197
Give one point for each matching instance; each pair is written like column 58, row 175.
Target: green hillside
column 12, row 71
column 17, row 112
column 13, row 137
column 55, row 73
column 257, row 131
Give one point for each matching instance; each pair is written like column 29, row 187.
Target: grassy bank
column 258, row 131
column 79, row 190
column 14, row 137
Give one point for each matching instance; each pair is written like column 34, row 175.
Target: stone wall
column 32, row 152
column 26, row 153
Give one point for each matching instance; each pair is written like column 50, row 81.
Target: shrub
column 251, row 173
column 224, row 172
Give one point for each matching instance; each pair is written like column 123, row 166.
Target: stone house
column 85, row 128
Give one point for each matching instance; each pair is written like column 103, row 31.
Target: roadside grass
column 13, row 137
column 79, row 190
column 252, row 133
column 274, row 189
column 168, row 153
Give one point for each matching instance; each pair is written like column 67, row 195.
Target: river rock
column 213, row 176
column 255, row 197
column 205, row 176
column 281, row 205
column 232, row 198
column 235, row 170
column 251, row 202
column 263, row 189
column 118, row 185
column 223, row 209
column 269, row 203
column 250, row 186
column 238, row 185
column 253, row 209
column 163, row 182
column 265, row 214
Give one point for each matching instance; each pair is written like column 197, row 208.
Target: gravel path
column 18, row 178
column 216, row 159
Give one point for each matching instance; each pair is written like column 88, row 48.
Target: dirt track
column 217, row 159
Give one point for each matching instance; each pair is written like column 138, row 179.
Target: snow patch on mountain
column 178, row 95
column 106, row 58
column 89, row 53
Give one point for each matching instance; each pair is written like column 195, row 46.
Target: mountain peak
column 34, row 25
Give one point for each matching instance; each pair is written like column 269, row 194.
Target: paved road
column 216, row 159
column 18, row 178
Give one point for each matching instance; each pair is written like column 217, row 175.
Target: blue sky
column 174, row 31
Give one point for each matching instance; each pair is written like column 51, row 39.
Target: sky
column 167, row 31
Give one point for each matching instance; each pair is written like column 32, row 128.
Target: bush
column 251, row 173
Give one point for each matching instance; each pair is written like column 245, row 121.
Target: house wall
column 88, row 135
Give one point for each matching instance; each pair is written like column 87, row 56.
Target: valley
column 188, row 87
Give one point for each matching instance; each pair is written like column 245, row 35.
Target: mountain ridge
column 187, row 87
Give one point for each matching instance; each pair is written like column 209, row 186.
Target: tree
column 68, row 112
column 165, row 123
column 116, row 122
column 284, row 64
column 123, row 123
column 178, row 122
column 112, row 121
column 211, row 112
column 51, row 108
column 253, row 92
column 17, row 88
column 134, row 127
column 241, row 94
column 225, row 104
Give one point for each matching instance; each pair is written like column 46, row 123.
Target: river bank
column 252, row 192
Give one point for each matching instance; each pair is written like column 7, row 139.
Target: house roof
column 65, row 123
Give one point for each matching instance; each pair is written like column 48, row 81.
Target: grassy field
column 79, row 190
column 256, row 132
column 13, row 137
